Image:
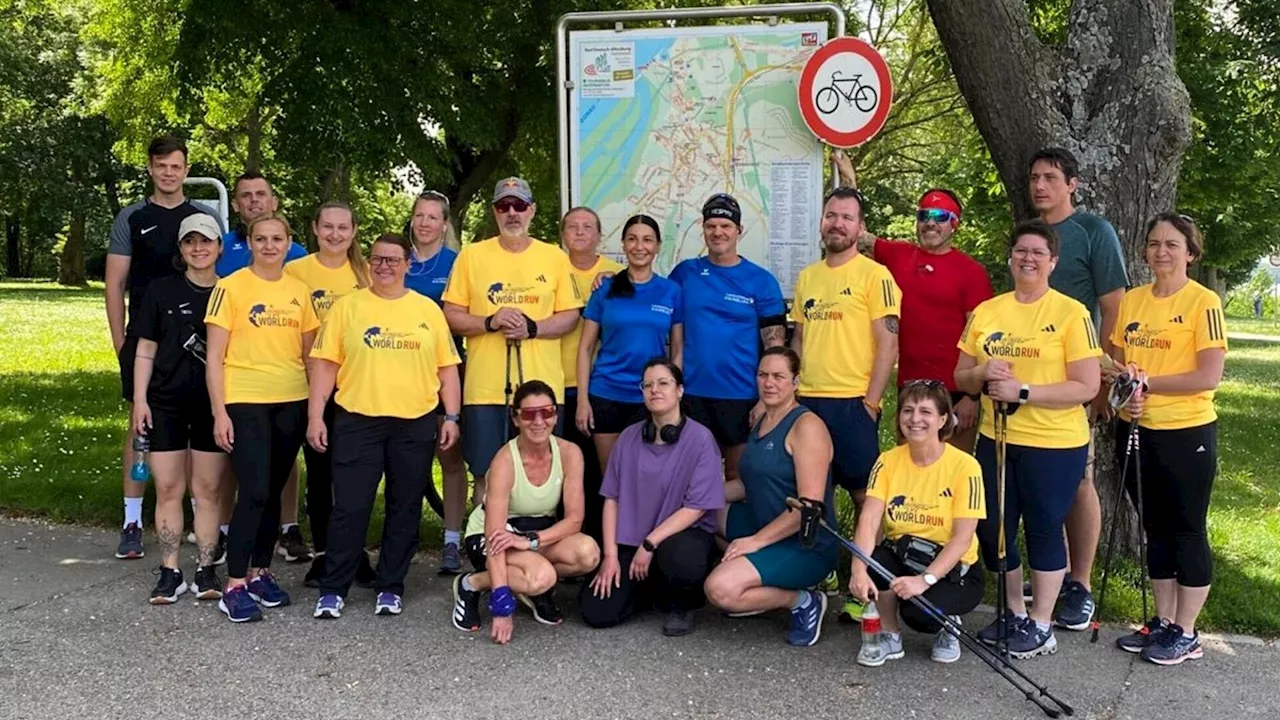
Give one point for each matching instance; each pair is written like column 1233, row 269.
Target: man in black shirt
column 143, row 246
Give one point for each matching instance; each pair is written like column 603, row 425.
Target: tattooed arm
column 773, row 335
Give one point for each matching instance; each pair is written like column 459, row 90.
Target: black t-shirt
column 148, row 234
column 172, row 314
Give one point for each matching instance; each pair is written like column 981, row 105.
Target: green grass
column 62, row 423
column 1253, row 326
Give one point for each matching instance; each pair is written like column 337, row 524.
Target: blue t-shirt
column 429, row 276
column 237, row 256
column 633, row 331
column 1090, row 261
column 724, row 306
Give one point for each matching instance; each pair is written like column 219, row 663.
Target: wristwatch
column 452, row 417
column 532, row 325
column 930, row 580
column 488, row 324
column 648, row 545
column 533, row 540
column 1024, row 394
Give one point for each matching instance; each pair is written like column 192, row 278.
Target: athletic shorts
column 785, row 564
column 474, row 545
column 178, row 429
column 127, row 353
column 485, row 429
column 855, row 438
column 728, row 420
column 612, row 417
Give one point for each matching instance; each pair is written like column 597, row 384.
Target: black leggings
column 267, row 437
column 320, row 485
column 1178, row 469
column 591, row 476
column 953, row 597
column 679, row 567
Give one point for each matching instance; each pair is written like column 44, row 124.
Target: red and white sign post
column 845, row 92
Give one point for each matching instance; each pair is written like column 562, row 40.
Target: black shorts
column 612, row 417
column 473, row 545
column 855, row 438
column 127, row 353
column 178, row 429
column 728, row 420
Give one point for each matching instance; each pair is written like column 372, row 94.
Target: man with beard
column 512, row 298
column 846, row 312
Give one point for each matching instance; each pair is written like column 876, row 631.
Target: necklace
column 198, row 288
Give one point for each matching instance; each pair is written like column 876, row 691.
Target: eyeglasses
column 529, row 414
column 660, row 383
column 1036, row 253
column 935, row 215
column 510, row 205
column 377, row 260
column 438, row 197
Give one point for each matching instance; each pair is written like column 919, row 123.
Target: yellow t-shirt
column 925, row 501
column 266, row 321
column 582, row 280
column 537, row 282
column 327, row 285
column 389, row 353
column 836, row 307
column 1038, row 339
column 1162, row 336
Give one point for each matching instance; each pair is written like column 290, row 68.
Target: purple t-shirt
column 651, row 481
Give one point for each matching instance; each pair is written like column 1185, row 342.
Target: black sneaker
column 316, row 572
column 169, row 587
column 466, row 606
column 130, row 547
column 1149, row 634
column 1027, row 640
column 544, row 607
column 207, row 585
column 220, row 550
column 677, row 623
column 293, row 548
column 366, row 576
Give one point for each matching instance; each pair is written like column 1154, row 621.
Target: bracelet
column 871, row 407
column 488, row 327
column 502, row 603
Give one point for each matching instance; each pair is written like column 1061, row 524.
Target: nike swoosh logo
column 147, row 230
column 182, row 305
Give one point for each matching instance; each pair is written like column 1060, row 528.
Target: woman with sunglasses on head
column 261, row 324
column 927, row 494
column 1172, row 333
column 171, row 408
column 514, row 540
column 390, row 355
column 337, row 269
column 662, row 491
column 434, row 248
column 1035, row 353
column 635, row 315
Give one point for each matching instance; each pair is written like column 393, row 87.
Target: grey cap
column 201, row 223
column 513, row 187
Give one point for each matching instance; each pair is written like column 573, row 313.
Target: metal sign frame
column 565, row 85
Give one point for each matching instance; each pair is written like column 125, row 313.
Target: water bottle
column 141, row 470
column 870, row 624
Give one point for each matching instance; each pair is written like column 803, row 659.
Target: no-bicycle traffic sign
column 845, row 92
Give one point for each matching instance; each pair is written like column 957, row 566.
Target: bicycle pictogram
column 858, row 95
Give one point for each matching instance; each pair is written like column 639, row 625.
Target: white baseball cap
column 202, row 223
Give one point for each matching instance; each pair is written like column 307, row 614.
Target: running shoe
column 1077, row 607
column 292, row 547
column 946, row 647
column 220, row 550
column 885, row 647
column 366, row 576
column 806, row 620
column 130, row 547
column 466, row 606
column 316, row 572
column 1172, row 647
column 1138, row 640
column 450, row 560
column 1027, row 640
column 745, row 613
column 267, row 592
column 830, row 584
column 207, row 585
column 991, row 634
column 238, row 606
column 852, row 611
column 169, row 587
column 676, row 623
column 544, row 607
column 388, row 603
column 329, row 607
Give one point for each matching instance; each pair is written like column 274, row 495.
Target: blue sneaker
column 238, row 606
column 1138, row 640
column 388, row 604
column 267, row 592
column 806, row 621
column 991, row 634
column 1172, row 647
column 1077, row 607
column 329, row 607
column 1027, row 640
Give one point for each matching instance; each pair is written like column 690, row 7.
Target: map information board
column 661, row 119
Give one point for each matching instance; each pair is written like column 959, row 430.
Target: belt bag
column 536, row 523
column 917, row 554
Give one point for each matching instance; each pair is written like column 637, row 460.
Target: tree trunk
column 71, row 269
column 1111, row 95
column 12, row 234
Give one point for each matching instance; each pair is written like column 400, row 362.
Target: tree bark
column 12, row 236
column 1110, row 94
column 71, row 270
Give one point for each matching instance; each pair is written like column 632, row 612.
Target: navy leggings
column 1040, row 485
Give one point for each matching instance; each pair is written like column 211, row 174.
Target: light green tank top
column 527, row 500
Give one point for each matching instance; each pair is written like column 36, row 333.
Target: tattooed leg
column 207, row 473
column 170, row 472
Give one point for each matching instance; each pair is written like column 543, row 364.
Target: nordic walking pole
column 1001, row 425
column 1130, row 441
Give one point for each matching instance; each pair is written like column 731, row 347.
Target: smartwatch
column 930, row 579
column 488, row 324
column 648, row 545
column 532, row 325
column 1024, row 394
column 452, row 417
column 534, row 542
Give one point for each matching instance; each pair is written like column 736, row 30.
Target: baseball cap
column 513, row 187
column 201, row 223
column 722, row 205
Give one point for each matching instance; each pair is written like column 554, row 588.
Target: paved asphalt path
column 77, row 639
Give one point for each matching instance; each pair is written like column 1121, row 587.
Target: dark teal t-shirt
column 1090, row 261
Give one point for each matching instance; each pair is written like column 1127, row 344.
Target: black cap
column 722, row 205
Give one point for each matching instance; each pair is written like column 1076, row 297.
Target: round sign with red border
column 845, row 92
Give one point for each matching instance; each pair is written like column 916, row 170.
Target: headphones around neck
column 670, row 434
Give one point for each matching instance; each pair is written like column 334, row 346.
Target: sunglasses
column 935, row 215
column 506, row 206
column 529, row 414
column 433, row 195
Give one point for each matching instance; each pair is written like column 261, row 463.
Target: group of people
column 691, row 419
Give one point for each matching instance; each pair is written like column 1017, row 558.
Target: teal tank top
column 769, row 476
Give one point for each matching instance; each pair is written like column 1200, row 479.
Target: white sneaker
column 946, row 647
column 885, row 647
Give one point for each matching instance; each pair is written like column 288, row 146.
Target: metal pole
column 564, row 85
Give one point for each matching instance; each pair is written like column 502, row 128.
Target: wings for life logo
column 1005, row 346
column 268, row 316
column 902, row 510
column 1138, row 337
column 816, row 310
column 507, row 294
column 380, row 338
column 322, row 300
